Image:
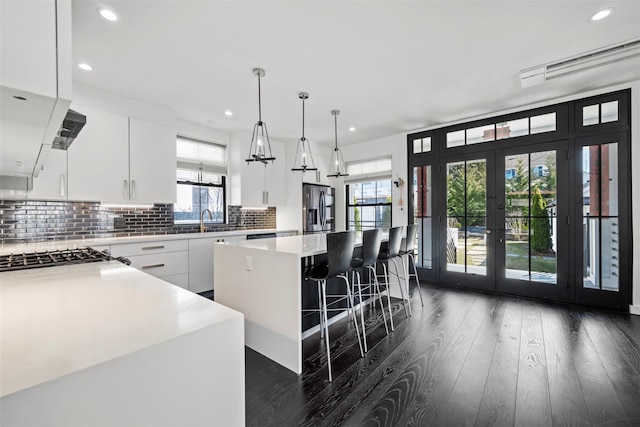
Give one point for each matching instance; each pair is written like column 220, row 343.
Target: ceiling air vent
column 595, row 58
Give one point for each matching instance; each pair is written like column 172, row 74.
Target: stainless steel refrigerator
column 317, row 208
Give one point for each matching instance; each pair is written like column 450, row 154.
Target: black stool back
column 371, row 246
column 410, row 241
column 339, row 252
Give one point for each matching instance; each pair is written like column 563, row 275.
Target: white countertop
column 57, row 320
column 9, row 248
column 303, row 245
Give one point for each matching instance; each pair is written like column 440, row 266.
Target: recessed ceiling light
column 228, row 113
column 601, row 14
column 352, row 129
column 84, row 66
column 107, row 14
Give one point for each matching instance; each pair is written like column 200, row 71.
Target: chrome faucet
column 202, row 219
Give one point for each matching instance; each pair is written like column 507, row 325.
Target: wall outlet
column 119, row 223
column 248, row 263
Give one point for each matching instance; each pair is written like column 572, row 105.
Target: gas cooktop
column 27, row 260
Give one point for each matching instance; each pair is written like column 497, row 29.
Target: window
column 369, row 194
column 200, row 175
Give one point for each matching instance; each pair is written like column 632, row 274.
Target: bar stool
column 339, row 254
column 389, row 255
column 409, row 250
column 371, row 240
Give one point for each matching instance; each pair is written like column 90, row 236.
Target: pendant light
column 260, row 149
column 304, row 149
column 337, row 167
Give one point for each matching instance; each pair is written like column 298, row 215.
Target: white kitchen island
column 262, row 280
column 105, row 344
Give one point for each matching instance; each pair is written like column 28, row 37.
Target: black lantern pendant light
column 303, row 151
column 260, row 149
column 336, row 166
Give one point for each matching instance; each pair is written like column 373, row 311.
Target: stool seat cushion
column 317, row 272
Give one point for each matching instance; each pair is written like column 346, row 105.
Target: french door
column 504, row 221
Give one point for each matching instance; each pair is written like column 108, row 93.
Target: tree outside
column 540, row 226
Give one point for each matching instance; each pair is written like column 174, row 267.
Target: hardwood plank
column 413, row 380
column 565, row 393
column 370, row 382
column 498, row 404
column 624, row 377
column 281, row 412
column 435, row 388
column 599, row 395
column 461, row 408
column 532, row 399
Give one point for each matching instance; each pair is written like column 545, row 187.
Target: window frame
column 350, row 205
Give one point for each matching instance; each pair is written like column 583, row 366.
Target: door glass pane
column 530, row 217
column 590, row 115
column 590, row 181
column 512, row 128
column 590, row 248
column 610, row 254
column 476, row 188
column 600, row 232
column 481, row 134
column 417, row 145
column 455, row 245
column 476, row 245
column 609, row 179
column 467, row 211
column 543, row 123
column 609, row 112
column 422, row 212
column 455, row 139
column 426, row 144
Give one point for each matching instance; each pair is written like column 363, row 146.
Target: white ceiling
column 390, row 66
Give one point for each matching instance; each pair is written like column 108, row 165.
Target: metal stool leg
column 372, row 273
column 355, row 322
column 326, row 332
column 386, row 278
column 364, row 331
column 407, row 307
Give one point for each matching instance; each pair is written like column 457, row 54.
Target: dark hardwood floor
column 465, row 358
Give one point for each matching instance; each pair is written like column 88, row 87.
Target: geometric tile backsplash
column 24, row 221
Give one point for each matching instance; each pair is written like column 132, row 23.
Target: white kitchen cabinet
column 51, row 182
column 98, row 158
column 117, row 159
column 152, row 160
column 257, row 178
column 167, row 260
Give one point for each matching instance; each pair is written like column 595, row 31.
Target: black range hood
column 71, row 125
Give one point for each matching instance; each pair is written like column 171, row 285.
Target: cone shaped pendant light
column 303, row 151
column 337, row 168
column 260, row 149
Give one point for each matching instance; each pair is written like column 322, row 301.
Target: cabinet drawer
column 162, row 264
column 133, row 249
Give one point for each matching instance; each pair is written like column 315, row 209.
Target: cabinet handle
column 62, row 185
column 146, row 248
column 133, row 189
column 152, row 266
column 125, row 193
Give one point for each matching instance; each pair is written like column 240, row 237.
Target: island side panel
column 268, row 293
column 194, row 379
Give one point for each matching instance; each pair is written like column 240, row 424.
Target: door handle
column 488, row 231
column 125, row 193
